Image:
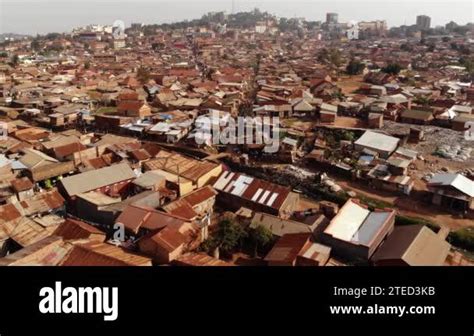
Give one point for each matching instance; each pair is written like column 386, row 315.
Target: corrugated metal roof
column 181, row 208
column 135, row 217
column 378, row 141
column 169, row 239
column 354, row 223
column 427, row 249
column 34, row 158
column 199, row 259
column 370, row 227
column 288, row 247
column 49, row 251
column 458, row 181
column 417, row 245
column 4, row 161
column 348, row 221
column 188, row 168
column 9, row 212
column 95, row 179
column 200, row 195
column 102, row 254
column 74, row 229
column 149, row 179
column 252, row 189
column 26, row 232
column 279, row 226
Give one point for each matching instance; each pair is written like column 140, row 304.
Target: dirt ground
column 298, row 124
column 348, row 122
column 306, row 203
column 349, row 84
column 408, row 206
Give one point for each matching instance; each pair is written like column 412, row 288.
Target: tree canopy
column 261, row 237
column 227, row 237
column 392, row 69
column 143, row 75
column 331, row 56
column 355, row 67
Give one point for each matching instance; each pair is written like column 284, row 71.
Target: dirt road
column 407, row 206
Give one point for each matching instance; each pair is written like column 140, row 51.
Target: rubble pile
column 444, row 142
column 454, row 152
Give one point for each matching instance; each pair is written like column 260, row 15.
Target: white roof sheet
column 272, row 199
column 4, row 160
column 257, row 194
column 458, row 181
column 264, row 197
column 241, row 184
column 378, row 141
column 223, row 180
column 347, row 222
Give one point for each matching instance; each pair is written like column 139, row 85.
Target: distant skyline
column 40, row 16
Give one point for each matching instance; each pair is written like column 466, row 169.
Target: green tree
column 392, row 69
column 331, row 56
column 157, row 46
column 261, row 237
column 35, row 44
column 143, row 75
column 15, row 60
column 335, row 57
column 228, row 236
column 48, row 184
column 283, row 25
column 52, row 36
column 348, row 136
column 406, row 47
column 468, row 63
column 355, row 67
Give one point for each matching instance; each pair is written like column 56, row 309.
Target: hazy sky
column 41, row 16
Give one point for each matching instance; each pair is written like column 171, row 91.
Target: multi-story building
column 332, row 18
column 373, row 28
column 423, row 22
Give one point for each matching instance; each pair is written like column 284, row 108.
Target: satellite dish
column 118, row 29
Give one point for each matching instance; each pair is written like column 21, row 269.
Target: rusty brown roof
column 200, row 195
column 74, row 229
column 199, row 259
column 135, row 217
column 257, row 191
column 169, row 239
column 8, row 212
column 288, row 247
column 68, row 149
column 21, row 184
column 102, row 254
